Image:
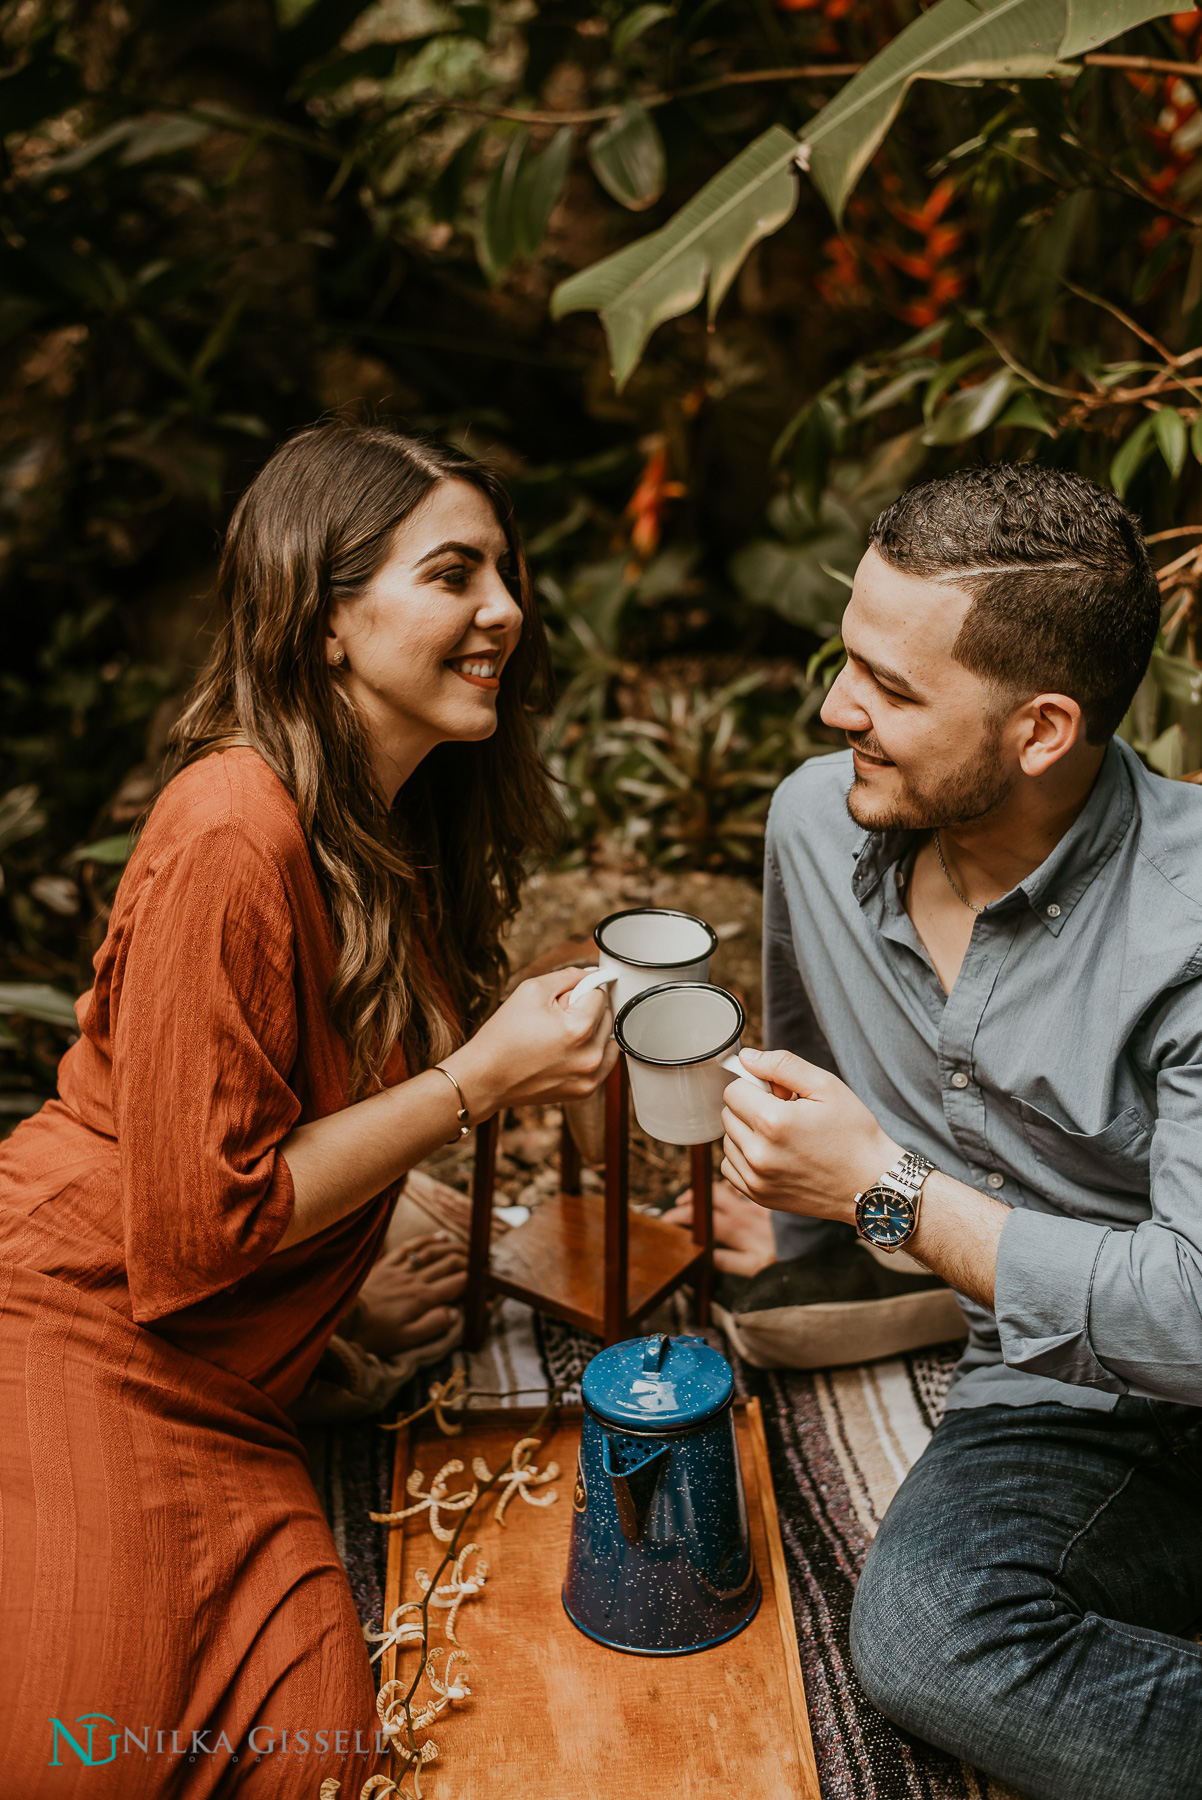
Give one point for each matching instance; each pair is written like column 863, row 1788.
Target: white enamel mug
column 644, row 946
column 682, row 1043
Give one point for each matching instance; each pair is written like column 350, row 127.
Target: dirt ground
column 564, row 904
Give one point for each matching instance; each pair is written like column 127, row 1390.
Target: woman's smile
column 481, row 671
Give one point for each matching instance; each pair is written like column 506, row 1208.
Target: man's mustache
column 867, row 743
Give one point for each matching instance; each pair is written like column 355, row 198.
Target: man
column 992, row 914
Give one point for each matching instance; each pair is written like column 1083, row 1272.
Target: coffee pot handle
column 653, row 1352
column 735, row 1067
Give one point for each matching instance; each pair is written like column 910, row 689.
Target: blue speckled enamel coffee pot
column 660, row 1560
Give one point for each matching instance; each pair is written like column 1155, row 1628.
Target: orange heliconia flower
column 646, row 506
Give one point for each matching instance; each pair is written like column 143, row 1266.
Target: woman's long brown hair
column 444, row 866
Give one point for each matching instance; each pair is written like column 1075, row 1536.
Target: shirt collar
column 1054, row 888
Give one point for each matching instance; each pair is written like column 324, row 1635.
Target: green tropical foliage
column 921, row 238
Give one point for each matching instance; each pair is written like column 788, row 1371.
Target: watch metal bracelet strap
column 905, row 1180
column 461, row 1112
column 908, row 1174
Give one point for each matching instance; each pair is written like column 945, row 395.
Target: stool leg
column 703, row 1226
column 479, row 1243
column 569, row 1161
column 617, row 1203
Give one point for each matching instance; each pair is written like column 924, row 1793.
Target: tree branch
column 594, row 114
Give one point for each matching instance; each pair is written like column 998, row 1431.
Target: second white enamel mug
column 645, row 946
column 681, row 1042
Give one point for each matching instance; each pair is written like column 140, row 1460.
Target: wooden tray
column 554, row 1716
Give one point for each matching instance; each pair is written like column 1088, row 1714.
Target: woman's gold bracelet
column 462, row 1112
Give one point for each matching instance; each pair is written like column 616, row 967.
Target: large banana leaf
column 1094, row 22
column 665, row 274
column 957, row 40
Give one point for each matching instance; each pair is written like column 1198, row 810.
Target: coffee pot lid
column 658, row 1383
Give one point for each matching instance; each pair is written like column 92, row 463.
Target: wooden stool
column 582, row 1257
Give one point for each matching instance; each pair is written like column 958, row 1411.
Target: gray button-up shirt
column 1062, row 1074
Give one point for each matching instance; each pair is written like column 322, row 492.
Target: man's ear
column 1050, row 726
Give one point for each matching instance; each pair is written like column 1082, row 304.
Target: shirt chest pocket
column 1115, row 1158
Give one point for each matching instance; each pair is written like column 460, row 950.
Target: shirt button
column 959, row 1079
column 1053, row 911
column 995, row 1180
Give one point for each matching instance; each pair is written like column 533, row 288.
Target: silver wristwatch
column 887, row 1212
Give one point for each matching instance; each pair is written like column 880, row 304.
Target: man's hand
column 810, row 1147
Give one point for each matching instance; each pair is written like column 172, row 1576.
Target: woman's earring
column 338, row 656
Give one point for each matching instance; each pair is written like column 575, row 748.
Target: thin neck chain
column 951, row 884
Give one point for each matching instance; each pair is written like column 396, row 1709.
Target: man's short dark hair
column 1064, row 594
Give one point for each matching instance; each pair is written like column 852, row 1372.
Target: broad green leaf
column 521, row 192
column 1195, row 439
column 949, row 374
column 893, row 392
column 114, row 850
column 20, row 815
column 1131, row 456
column 1179, row 679
column 635, row 24
column 38, row 1000
column 1168, row 428
column 810, row 457
column 162, row 137
column 1094, row 22
column 956, row 40
column 666, row 273
column 971, row 410
column 1025, row 413
column 498, row 217
column 1167, row 754
column 790, row 579
column 627, row 157
column 540, row 184
column 794, row 578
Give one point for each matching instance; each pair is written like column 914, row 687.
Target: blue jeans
column 1021, row 1603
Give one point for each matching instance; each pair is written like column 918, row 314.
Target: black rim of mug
column 663, row 912
column 679, row 1062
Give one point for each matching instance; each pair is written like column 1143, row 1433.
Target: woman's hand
column 536, row 1048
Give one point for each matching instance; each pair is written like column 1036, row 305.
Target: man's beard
column 969, row 792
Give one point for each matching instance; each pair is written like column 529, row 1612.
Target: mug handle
column 735, row 1067
column 596, row 978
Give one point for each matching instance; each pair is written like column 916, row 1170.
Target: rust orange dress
column 165, row 1569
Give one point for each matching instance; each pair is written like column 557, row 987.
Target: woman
column 291, row 1009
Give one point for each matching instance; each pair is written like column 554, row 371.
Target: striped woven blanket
column 839, row 1443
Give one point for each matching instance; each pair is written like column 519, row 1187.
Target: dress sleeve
column 204, row 1037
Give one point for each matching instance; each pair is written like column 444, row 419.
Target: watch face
column 885, row 1218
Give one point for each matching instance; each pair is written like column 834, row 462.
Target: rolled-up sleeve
column 204, row 1039
column 1112, row 1308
